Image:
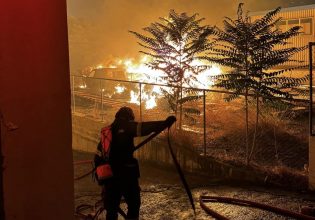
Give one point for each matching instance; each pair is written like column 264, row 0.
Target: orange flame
column 142, row 73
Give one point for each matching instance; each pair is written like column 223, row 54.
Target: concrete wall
column 312, row 163
column 35, row 96
column 86, row 136
column 86, row 133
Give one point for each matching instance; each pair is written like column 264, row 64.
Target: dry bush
column 183, row 138
column 282, row 141
column 226, row 130
column 278, row 142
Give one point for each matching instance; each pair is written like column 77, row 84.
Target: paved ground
column 163, row 197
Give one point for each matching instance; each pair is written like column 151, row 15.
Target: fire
column 134, row 98
column 120, row 89
column 149, row 99
column 140, row 72
column 204, row 80
column 82, row 86
column 100, row 66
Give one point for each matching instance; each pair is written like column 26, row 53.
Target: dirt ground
column 163, row 197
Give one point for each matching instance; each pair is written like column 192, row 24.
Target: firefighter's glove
column 170, row 120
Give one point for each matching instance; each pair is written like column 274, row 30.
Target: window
column 305, row 23
column 292, row 23
column 282, row 25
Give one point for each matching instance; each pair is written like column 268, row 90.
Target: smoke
column 98, row 29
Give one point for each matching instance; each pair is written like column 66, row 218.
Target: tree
column 173, row 44
column 251, row 50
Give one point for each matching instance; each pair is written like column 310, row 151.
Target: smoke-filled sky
column 98, row 29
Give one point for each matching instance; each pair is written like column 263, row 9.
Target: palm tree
column 251, row 50
column 173, row 44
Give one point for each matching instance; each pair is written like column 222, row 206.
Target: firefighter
column 124, row 166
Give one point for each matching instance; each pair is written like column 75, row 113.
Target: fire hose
column 84, row 162
column 241, row 202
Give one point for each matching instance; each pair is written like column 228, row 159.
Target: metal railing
column 217, row 120
column 312, row 123
column 96, row 89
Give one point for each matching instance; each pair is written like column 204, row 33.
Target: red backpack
column 106, row 139
column 101, row 160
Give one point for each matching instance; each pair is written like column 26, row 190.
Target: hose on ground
column 242, row 202
column 202, row 200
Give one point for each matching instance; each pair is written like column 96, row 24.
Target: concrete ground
column 163, row 197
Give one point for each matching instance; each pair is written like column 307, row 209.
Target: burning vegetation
column 140, row 72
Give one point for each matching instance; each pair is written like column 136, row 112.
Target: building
column 107, row 86
column 303, row 16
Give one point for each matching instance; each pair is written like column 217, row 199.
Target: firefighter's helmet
column 125, row 113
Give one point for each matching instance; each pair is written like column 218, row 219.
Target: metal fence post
column 73, row 96
column 204, row 123
column 311, row 84
column 311, row 44
column 102, row 93
column 140, row 101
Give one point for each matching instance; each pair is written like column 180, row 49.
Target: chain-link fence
column 209, row 124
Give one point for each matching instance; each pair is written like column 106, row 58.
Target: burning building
column 111, row 73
